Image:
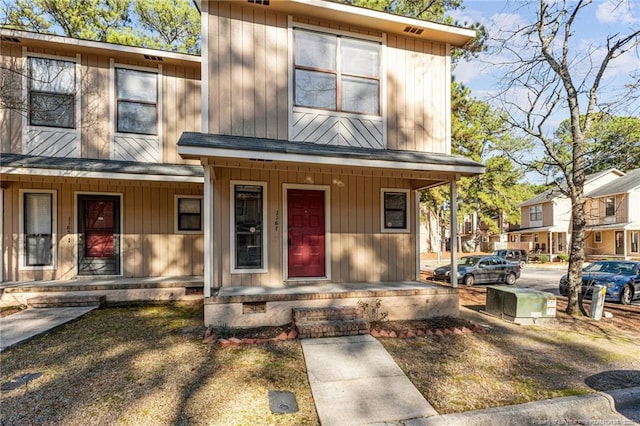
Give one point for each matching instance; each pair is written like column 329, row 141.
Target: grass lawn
column 148, row 365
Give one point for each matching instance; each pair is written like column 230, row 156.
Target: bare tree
column 551, row 78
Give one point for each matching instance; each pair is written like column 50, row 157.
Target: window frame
column 597, row 237
column 407, row 211
column 535, row 213
column 610, row 206
column 177, row 228
column 74, row 95
column 234, row 269
column 22, row 252
column 116, row 100
column 338, row 72
column 635, row 235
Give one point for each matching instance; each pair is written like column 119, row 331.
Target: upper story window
column 535, row 213
column 137, row 101
column 52, row 87
column 336, row 73
column 610, row 206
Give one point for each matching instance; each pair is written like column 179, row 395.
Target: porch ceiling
column 203, row 145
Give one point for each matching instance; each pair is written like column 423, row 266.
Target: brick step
column 333, row 328
column 333, row 313
column 65, row 301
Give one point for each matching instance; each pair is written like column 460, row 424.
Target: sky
column 485, row 75
column 595, row 23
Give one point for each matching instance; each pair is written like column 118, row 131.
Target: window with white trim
column 535, row 213
column 610, row 206
column 248, row 231
column 597, row 237
column 395, row 210
column 52, row 87
column 336, row 73
column 136, row 101
column 635, row 241
column 38, row 229
column 188, row 213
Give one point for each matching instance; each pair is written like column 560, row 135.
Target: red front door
column 99, row 234
column 306, row 233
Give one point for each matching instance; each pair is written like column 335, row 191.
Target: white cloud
column 618, row 12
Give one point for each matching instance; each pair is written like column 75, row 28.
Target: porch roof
column 610, row 226
column 196, row 145
column 18, row 164
column 538, row 229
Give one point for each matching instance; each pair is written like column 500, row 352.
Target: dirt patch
column 10, row 310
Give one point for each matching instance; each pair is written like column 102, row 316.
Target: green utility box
column 520, row 305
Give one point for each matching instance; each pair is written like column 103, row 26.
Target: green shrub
column 544, row 258
column 563, row 257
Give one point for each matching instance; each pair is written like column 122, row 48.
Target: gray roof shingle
column 623, row 184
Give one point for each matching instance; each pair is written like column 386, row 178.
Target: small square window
column 395, row 210
column 189, row 214
column 535, row 213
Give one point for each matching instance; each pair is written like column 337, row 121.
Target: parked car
column 481, row 269
column 513, row 255
column 621, row 278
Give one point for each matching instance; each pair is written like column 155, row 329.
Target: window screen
column 38, row 229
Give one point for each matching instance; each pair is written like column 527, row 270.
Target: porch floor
column 241, row 294
column 115, row 289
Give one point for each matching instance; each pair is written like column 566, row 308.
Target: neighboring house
column 546, row 218
column 613, row 218
column 91, row 181
column 321, row 122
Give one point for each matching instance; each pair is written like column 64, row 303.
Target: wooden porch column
column 209, row 178
column 416, row 221
column 624, row 241
column 454, row 234
column 550, row 246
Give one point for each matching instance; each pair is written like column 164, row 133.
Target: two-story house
column 546, row 218
column 613, row 218
column 320, row 122
column 91, row 181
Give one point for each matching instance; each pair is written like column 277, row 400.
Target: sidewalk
column 355, row 381
column 31, row 322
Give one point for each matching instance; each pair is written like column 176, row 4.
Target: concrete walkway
column 31, row 322
column 355, row 381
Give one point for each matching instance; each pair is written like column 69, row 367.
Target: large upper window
column 137, row 99
column 535, row 213
column 336, row 73
column 248, row 227
column 610, row 206
column 52, row 86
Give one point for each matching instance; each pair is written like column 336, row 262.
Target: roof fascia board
column 369, row 18
column 35, row 171
column 197, row 152
column 99, row 45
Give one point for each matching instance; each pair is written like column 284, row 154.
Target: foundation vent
column 254, row 308
column 413, row 30
column 153, row 58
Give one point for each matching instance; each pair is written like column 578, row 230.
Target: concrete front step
column 65, row 301
column 333, row 321
column 336, row 328
column 331, row 313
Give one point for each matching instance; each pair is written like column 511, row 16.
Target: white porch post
column 551, row 246
column 416, row 208
column 209, row 177
column 624, row 241
column 454, row 234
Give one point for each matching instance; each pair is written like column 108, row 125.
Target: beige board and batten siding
column 179, row 103
column 248, row 60
column 150, row 246
column 359, row 251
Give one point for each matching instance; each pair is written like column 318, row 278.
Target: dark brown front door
column 306, row 233
column 98, row 235
column 619, row 242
